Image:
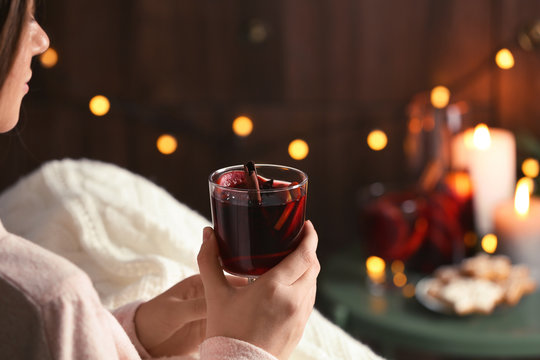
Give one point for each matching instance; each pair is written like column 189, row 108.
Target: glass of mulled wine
column 258, row 212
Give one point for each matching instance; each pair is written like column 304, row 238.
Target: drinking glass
column 256, row 229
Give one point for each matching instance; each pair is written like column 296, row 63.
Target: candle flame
column 528, row 181
column 482, row 138
column 522, row 198
column 375, row 267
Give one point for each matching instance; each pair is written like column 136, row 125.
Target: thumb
column 209, row 266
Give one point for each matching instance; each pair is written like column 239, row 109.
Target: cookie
column 480, row 283
column 447, row 273
column 489, row 267
column 518, row 284
column 470, row 295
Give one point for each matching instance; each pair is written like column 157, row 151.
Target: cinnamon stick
column 253, row 182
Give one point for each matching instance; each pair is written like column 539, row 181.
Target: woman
column 49, row 308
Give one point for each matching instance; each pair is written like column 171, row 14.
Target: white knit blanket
column 132, row 238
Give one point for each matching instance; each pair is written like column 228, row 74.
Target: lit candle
column 376, row 267
column 518, row 225
column 490, row 157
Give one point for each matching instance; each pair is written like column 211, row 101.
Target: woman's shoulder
column 37, row 273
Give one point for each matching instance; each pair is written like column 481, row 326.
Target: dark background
column 328, row 71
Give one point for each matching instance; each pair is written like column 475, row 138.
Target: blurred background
column 327, row 72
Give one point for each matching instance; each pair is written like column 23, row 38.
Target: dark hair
column 12, row 16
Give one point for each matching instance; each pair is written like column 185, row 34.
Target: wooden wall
column 327, row 71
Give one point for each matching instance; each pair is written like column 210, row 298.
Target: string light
column 397, row 266
column 377, row 140
column 504, row 59
column 242, row 126
column 298, row 149
column 408, row 290
column 49, row 58
column 530, row 168
column 166, row 144
column 489, row 243
column 440, row 96
column 99, row 105
column 400, row 279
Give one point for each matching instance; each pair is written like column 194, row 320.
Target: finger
column 187, row 311
column 309, row 301
column 208, row 259
column 184, row 341
column 309, row 278
column 237, row 281
column 189, row 288
column 296, row 263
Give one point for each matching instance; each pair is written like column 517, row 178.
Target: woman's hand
column 270, row 313
column 174, row 322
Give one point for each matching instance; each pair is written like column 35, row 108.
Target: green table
column 396, row 322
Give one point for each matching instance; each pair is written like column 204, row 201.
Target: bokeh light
column 49, row 58
column 298, row 149
column 440, row 96
column 415, row 125
column 504, row 59
column 375, row 265
column 428, row 123
column 400, row 279
column 397, row 266
column 377, row 140
column 99, row 105
column 460, row 183
column 489, row 243
column 530, row 168
column 166, row 144
column 242, row 126
column 408, row 290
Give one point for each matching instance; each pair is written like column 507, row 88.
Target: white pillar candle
column 517, row 224
column 490, row 157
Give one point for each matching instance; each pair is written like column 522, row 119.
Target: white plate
column 429, row 301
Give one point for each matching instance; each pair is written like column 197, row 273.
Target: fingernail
column 206, row 233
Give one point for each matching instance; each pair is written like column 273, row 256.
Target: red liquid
column 253, row 238
column 430, row 235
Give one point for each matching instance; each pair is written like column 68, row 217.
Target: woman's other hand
column 174, row 322
column 270, row 313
